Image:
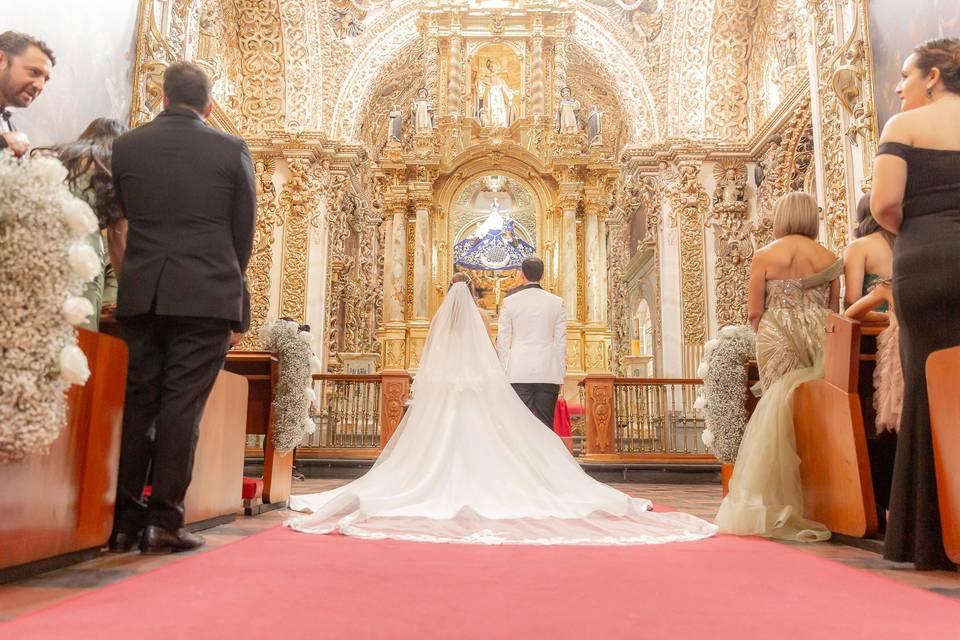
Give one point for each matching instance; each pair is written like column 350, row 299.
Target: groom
column 532, row 342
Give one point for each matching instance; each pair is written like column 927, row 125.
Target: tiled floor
column 701, row 500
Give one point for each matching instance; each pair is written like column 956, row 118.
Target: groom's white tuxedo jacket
column 532, row 337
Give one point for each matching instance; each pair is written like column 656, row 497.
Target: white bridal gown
column 470, row 463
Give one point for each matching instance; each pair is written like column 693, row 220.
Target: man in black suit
column 188, row 195
column 25, row 65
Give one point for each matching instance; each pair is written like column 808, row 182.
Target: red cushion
column 561, row 419
column 252, row 489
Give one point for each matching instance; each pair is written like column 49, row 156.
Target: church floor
column 699, row 499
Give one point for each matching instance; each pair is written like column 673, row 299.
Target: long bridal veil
column 470, row 463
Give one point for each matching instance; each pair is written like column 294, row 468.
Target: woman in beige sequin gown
column 793, row 288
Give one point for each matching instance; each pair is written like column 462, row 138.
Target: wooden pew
column 214, row 494
column 831, row 440
column 58, row 508
column 943, row 390
column 261, row 370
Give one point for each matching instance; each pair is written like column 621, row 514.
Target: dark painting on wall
column 896, row 27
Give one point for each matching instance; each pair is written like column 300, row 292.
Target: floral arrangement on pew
column 294, row 393
column 724, row 375
column 44, row 263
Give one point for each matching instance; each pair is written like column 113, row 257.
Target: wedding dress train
column 470, row 463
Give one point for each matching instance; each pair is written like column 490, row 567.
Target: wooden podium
column 59, row 507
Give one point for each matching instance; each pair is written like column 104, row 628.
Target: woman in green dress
column 87, row 161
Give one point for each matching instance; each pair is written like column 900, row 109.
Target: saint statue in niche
column 395, row 129
column 422, row 111
column 594, row 127
column 567, row 112
column 494, row 106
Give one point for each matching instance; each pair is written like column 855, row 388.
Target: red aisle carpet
column 281, row 584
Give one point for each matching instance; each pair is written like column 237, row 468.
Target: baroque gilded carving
column 730, row 219
column 832, row 149
column 354, row 301
column 262, row 88
column 261, row 259
column 689, row 205
column 730, row 41
column 299, row 199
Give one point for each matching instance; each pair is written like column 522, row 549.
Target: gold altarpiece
column 701, row 100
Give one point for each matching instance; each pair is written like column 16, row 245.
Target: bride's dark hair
column 462, row 277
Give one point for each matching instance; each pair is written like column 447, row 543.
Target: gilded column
column 455, row 85
column 592, row 256
column 536, row 75
column 568, row 248
column 300, row 198
column 431, row 76
column 421, row 256
column 559, row 66
column 395, row 261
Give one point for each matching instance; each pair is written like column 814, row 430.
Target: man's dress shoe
column 158, row 541
column 122, row 542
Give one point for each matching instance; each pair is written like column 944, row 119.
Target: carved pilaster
column 300, row 197
column 690, row 204
column 261, row 259
column 832, row 153
column 730, row 219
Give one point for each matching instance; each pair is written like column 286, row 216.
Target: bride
column 470, row 463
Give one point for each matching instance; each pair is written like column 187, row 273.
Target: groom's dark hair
column 532, row 268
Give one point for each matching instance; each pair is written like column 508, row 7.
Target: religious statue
column 594, row 127
column 730, row 187
column 423, row 111
column 494, row 106
column 567, row 112
column 395, row 129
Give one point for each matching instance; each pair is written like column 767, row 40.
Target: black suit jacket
column 188, row 193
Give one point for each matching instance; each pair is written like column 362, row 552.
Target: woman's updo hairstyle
column 944, row 54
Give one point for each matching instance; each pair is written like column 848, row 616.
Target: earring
column 929, row 92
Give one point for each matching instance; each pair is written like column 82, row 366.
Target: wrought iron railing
column 657, row 416
column 642, row 417
column 346, row 412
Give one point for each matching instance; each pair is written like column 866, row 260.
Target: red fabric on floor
column 282, row 584
column 561, row 419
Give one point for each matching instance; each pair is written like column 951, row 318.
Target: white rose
column 710, row 347
column 702, row 370
column 73, row 365
column 700, row 403
column 49, row 171
column 77, row 310
column 309, row 426
column 84, row 261
column 305, row 337
column 315, row 365
column 729, row 331
column 310, row 395
column 707, row 437
column 79, row 217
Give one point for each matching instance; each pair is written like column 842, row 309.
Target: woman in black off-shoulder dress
column 926, row 278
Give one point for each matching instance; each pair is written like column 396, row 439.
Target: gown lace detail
column 765, row 496
column 469, row 463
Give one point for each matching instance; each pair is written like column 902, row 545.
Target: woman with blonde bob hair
column 793, row 288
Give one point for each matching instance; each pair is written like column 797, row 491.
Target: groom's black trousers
column 173, row 363
column 540, row 398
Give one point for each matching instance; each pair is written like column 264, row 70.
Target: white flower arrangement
column 724, row 375
column 43, row 266
column 294, row 395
